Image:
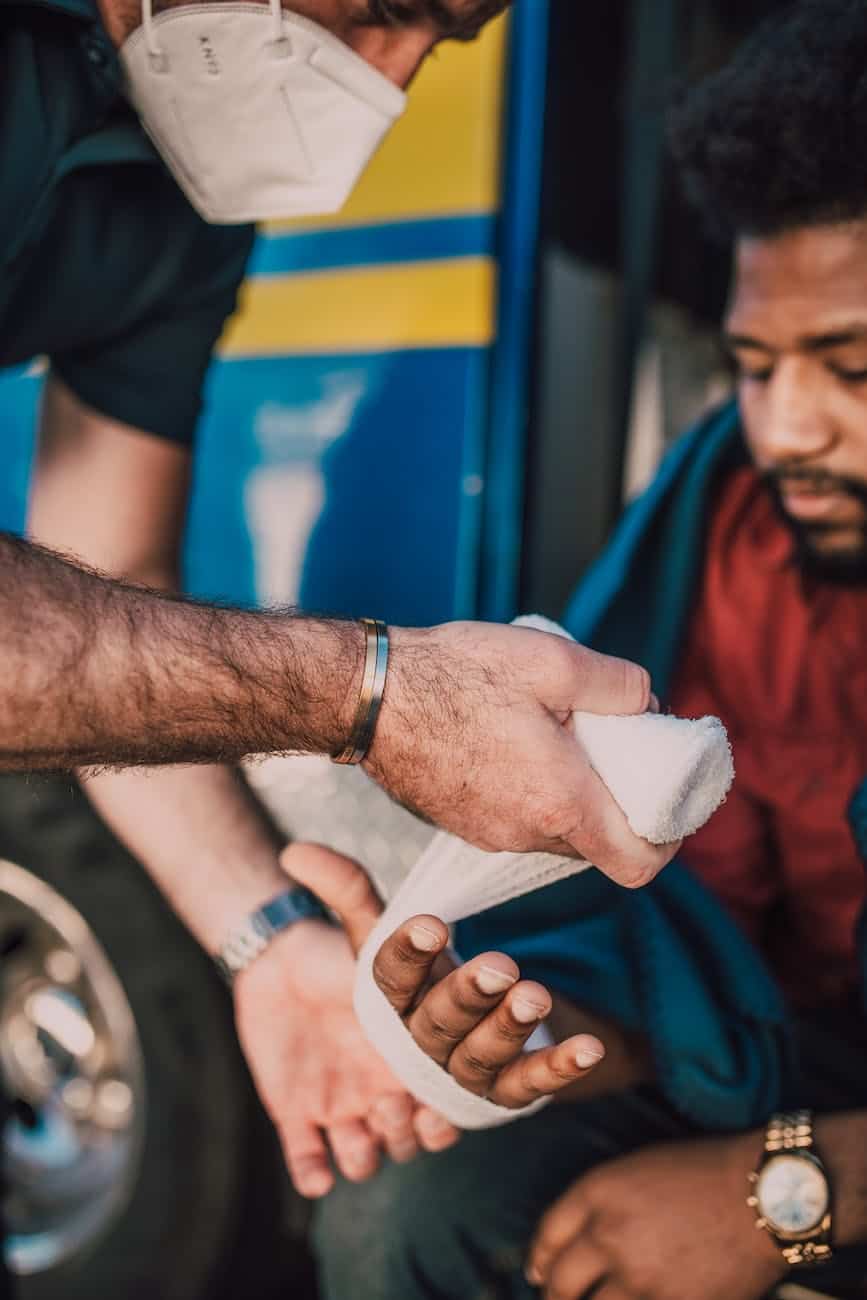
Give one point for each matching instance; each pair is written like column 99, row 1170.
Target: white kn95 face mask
column 257, row 113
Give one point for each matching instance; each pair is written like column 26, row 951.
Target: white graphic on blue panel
column 284, row 494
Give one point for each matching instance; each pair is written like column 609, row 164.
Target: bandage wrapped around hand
column 669, row 775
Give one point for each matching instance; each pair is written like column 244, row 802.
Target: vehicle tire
column 208, row 1213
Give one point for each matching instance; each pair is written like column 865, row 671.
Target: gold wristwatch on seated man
column 791, row 1191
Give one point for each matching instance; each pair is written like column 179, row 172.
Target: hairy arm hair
column 100, row 673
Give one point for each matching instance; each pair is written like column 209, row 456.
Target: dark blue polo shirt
column 104, row 266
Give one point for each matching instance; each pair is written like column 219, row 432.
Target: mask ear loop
column 156, row 56
column 280, row 46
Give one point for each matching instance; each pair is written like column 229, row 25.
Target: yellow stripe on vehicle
column 443, row 303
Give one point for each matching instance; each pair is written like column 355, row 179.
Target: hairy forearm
column 96, row 672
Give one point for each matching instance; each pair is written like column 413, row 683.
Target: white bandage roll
column 667, row 774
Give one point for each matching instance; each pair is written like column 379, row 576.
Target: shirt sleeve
column 151, row 374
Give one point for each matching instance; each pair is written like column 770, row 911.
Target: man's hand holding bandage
column 664, row 775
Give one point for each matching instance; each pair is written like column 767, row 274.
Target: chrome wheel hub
column 72, row 1072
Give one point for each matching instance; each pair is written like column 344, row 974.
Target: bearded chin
column 844, row 567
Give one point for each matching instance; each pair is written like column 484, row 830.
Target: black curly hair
column 778, row 137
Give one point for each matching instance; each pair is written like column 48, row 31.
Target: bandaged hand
column 474, row 1021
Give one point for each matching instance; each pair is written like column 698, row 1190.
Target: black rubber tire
column 211, row 1216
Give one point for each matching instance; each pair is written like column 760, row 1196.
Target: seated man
column 732, row 988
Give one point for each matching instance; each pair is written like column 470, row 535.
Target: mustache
column 814, row 480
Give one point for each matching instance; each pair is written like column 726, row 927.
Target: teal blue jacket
column 666, row 960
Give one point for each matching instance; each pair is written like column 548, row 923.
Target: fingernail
column 423, row 939
column 588, row 1055
column 533, row 1276
column 489, row 980
column 525, row 1011
column 356, row 1161
column 315, row 1188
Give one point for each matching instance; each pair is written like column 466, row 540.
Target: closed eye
column 757, row 373
column 849, row 376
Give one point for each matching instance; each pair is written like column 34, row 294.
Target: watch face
column 792, row 1194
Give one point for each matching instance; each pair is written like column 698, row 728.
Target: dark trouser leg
column 456, row 1226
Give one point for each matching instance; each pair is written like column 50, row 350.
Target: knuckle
column 511, row 1102
column 638, row 874
column 531, row 1078
column 517, row 1094
column 630, row 683
column 513, row 1032
column 609, row 1239
column 478, row 1064
column 549, row 814
column 619, row 680
column 388, row 977
column 553, row 1071
column 562, row 1072
column 439, row 1028
column 358, row 892
column 467, row 1000
column 637, row 686
column 510, row 833
column 564, row 658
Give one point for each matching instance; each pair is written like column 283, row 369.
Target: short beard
column 844, row 568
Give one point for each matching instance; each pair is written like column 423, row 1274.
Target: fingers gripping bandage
column 667, row 774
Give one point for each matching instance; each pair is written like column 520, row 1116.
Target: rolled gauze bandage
column 667, row 774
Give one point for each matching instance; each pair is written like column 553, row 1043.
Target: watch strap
column 247, row 940
column 789, row 1131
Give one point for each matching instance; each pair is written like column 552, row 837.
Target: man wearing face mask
column 122, row 255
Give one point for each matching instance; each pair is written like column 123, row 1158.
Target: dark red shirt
column 783, row 661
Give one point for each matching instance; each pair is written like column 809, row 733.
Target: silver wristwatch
column 246, row 941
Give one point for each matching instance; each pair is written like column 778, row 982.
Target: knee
column 443, row 1224
column 365, row 1235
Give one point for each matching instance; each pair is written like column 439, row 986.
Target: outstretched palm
column 321, row 1082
